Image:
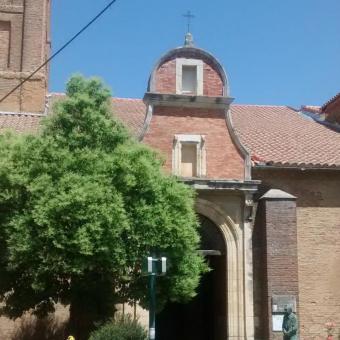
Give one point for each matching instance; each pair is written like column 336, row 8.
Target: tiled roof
column 282, row 136
column 274, row 135
column 20, row 122
column 130, row 111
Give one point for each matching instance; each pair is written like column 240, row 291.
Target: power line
column 60, row 50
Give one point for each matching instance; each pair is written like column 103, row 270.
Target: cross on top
column 189, row 16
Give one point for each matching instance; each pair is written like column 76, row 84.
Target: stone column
column 249, row 210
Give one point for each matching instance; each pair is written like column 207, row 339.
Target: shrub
column 122, row 328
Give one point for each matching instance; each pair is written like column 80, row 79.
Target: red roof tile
column 274, row 135
column 21, row 122
column 130, row 111
column 279, row 135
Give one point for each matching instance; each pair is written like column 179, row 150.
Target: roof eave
column 296, row 167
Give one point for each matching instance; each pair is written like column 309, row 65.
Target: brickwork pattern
column 280, row 265
column 261, row 312
column 333, row 110
column 15, row 20
column 9, row 327
column 28, row 24
column 5, row 30
column 318, row 232
column 212, row 82
column 223, row 159
column 12, row 3
column 166, row 79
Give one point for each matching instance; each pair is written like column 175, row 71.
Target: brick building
column 267, row 181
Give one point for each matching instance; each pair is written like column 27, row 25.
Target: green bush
column 122, row 328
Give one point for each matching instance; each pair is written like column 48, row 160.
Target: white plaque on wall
column 280, row 302
column 277, row 322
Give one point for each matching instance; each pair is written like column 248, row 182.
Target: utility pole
column 156, row 266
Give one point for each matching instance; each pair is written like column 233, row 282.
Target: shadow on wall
column 40, row 329
column 29, row 327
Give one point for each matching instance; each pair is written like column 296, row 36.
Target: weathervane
column 189, row 17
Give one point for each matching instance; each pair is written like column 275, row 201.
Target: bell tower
column 24, row 46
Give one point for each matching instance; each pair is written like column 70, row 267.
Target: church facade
column 267, row 181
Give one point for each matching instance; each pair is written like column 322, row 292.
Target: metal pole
column 152, row 311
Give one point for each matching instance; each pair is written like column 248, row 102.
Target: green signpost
column 155, row 267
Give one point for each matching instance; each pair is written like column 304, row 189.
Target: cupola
column 190, row 76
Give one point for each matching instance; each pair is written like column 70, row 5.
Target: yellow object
column 71, row 338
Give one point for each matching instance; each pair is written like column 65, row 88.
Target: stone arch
column 232, row 234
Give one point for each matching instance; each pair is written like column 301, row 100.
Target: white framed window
column 188, row 159
column 189, row 79
column 189, row 156
column 189, row 76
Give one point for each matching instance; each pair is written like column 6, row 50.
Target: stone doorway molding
column 240, row 320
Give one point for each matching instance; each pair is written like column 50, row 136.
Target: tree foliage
column 81, row 205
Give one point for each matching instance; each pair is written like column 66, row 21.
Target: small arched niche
column 212, row 239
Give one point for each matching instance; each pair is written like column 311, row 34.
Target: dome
column 167, row 71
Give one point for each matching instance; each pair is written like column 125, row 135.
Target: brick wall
column 5, row 30
column 28, row 24
column 318, row 232
column 276, row 261
column 212, row 82
column 11, row 2
column 222, row 157
column 10, row 328
column 333, row 111
column 166, row 79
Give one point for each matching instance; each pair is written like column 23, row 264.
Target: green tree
column 81, row 205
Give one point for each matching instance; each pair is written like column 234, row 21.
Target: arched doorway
column 205, row 316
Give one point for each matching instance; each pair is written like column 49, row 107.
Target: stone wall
column 318, row 232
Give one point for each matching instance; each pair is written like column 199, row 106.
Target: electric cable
column 59, row 50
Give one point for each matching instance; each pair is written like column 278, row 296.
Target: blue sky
column 282, row 52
